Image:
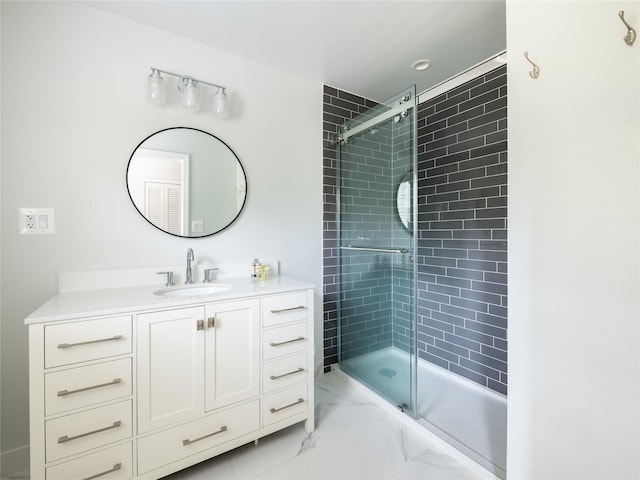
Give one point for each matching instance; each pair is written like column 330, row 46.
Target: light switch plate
column 36, row 221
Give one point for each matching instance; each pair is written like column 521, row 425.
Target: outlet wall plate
column 36, row 221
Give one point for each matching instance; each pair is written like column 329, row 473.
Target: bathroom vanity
column 125, row 383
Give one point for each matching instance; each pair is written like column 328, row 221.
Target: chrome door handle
column 275, row 377
column 66, row 438
column 299, row 307
column 186, row 441
column 275, row 410
column 115, row 381
column 88, row 342
column 277, row 344
column 115, row 468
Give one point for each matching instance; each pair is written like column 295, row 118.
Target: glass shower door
column 377, row 164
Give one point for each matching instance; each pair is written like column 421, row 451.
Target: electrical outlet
column 30, row 221
column 36, row 221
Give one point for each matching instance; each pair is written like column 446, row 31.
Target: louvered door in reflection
column 163, row 206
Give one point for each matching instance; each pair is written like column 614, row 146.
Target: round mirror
column 186, row 182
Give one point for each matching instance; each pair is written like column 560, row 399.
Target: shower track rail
column 376, row 249
column 403, row 106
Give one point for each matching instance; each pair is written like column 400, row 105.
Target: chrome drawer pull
column 189, row 442
column 69, row 345
column 115, row 468
column 274, row 344
column 276, row 377
column 115, row 381
column 299, row 307
column 65, row 438
column 274, row 410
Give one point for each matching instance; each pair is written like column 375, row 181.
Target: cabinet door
column 170, row 367
column 232, row 352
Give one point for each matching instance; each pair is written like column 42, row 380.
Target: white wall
column 574, row 238
column 73, row 110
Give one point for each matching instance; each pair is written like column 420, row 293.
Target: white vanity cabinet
column 152, row 390
column 81, row 398
column 192, row 360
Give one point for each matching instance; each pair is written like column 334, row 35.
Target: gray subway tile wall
column 462, row 233
column 462, row 228
column 375, row 294
column 338, row 108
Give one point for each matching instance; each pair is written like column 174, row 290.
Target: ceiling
column 364, row 47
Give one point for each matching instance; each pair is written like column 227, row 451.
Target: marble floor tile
column 354, row 439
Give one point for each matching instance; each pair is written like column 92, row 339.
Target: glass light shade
column 191, row 95
column 221, row 103
column 156, row 89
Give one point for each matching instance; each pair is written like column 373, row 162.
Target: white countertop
column 111, row 301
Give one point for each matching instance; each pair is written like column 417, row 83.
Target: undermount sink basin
column 193, row 290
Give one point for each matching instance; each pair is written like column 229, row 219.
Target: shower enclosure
column 423, row 327
column 377, row 241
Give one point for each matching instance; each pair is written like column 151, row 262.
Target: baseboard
column 14, row 460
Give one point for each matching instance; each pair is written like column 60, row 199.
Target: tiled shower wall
column 376, row 288
column 461, row 258
column 338, row 108
column 462, row 223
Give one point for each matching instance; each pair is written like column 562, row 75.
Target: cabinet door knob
column 211, row 322
column 200, row 325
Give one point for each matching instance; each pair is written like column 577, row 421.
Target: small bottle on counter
column 254, row 268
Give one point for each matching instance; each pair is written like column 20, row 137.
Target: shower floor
column 470, row 417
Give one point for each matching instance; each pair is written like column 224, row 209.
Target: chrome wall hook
column 535, row 73
column 630, row 37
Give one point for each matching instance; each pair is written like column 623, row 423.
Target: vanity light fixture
column 190, row 89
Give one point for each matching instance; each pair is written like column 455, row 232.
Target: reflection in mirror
column 403, row 201
column 186, row 182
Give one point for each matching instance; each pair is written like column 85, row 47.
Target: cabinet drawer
column 83, row 386
column 115, row 463
column 85, row 430
column 284, row 308
column 284, row 372
column 178, row 442
column 89, row 340
column 284, row 340
column 285, row 404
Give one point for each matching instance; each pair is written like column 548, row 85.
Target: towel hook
column 630, row 37
column 535, row 73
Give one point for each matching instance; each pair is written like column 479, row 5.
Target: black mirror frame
column 240, row 210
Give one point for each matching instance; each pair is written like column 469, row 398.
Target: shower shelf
column 376, row 249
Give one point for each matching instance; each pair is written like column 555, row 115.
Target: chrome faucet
column 189, row 276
